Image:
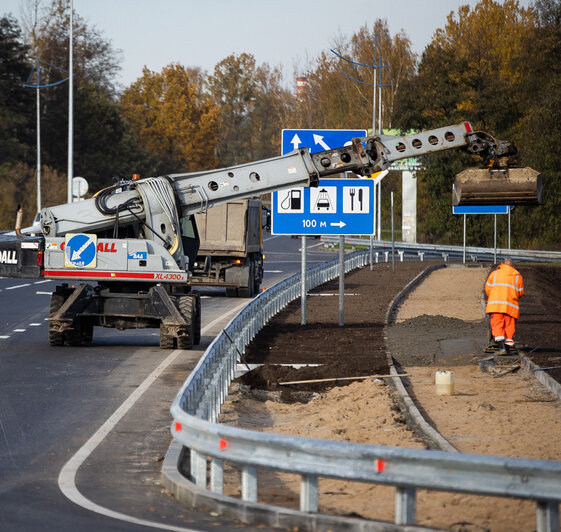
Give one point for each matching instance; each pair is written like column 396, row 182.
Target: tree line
column 496, row 64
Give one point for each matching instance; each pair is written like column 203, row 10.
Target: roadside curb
column 415, row 419
column 551, row 384
column 258, row 514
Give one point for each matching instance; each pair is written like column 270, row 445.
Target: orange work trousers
column 502, row 327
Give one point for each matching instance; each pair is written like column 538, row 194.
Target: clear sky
column 203, row 32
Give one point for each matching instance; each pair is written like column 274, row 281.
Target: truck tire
column 55, row 338
column 167, row 341
column 81, row 334
column 186, row 306
column 197, row 328
column 247, row 291
column 257, row 277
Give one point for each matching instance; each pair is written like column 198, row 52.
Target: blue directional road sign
column 318, row 139
column 300, row 211
column 480, row 209
column 80, row 250
column 335, row 207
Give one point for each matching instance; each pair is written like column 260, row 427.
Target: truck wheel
column 55, row 338
column 197, row 328
column 167, row 341
column 87, row 332
column 257, row 278
column 187, row 309
column 247, row 291
column 82, row 333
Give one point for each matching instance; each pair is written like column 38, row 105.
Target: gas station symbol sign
column 291, row 200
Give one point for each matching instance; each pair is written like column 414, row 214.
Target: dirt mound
column 269, row 377
column 357, row 349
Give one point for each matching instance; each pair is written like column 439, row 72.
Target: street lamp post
column 70, row 111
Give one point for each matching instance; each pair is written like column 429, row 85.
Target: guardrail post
column 421, row 255
column 217, row 475
column 387, row 255
column 400, row 253
column 198, row 469
column 547, row 516
column 405, row 506
column 376, row 254
column 249, row 483
column 309, row 493
column 444, row 257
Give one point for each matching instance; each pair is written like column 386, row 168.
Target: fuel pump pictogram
column 291, row 200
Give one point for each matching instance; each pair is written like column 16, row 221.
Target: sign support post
column 495, row 239
column 341, row 281
column 483, row 209
column 303, row 282
column 465, row 238
column 393, row 237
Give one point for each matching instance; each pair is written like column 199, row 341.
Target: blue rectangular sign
column 480, row 209
column 335, row 207
column 318, row 139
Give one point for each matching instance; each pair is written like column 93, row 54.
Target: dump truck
column 124, row 258
column 231, row 247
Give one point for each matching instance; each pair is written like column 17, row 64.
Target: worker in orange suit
column 504, row 287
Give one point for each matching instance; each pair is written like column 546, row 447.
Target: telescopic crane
column 127, row 251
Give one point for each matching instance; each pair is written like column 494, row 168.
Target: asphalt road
column 54, row 402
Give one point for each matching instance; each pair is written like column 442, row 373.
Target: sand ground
column 509, row 416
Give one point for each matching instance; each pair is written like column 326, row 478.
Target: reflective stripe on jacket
column 503, row 288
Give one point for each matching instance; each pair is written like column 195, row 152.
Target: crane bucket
column 498, row 186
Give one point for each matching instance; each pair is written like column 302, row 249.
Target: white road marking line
column 43, row 293
column 3, row 337
column 20, row 330
column 17, row 286
column 67, row 475
column 45, row 281
column 35, row 324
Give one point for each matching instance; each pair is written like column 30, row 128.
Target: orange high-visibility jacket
column 503, row 288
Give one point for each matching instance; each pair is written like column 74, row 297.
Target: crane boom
column 137, row 238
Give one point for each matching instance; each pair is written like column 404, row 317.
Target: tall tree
column 470, row 71
column 95, row 65
column 334, row 100
column 253, row 108
column 16, row 102
column 173, row 117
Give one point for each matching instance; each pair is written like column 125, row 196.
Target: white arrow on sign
column 338, row 224
column 295, row 141
column 76, row 254
column 318, row 139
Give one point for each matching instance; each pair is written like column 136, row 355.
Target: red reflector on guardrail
column 380, row 465
column 222, row 444
column 177, row 427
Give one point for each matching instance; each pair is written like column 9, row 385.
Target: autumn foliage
column 496, row 64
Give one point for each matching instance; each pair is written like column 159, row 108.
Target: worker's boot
column 502, row 349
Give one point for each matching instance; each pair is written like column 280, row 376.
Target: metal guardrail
column 197, row 405
column 472, row 252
